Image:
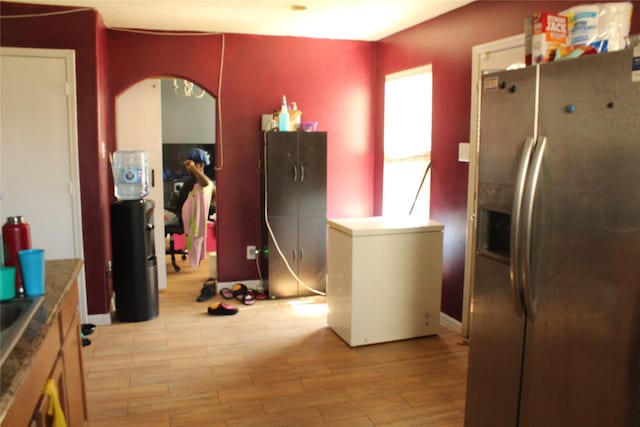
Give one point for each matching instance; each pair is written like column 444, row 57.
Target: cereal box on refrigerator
column 544, row 33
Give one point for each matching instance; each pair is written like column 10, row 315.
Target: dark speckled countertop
column 60, row 276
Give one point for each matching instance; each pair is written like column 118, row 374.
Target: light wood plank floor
column 275, row 363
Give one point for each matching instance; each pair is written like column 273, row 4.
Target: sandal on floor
column 260, row 295
column 222, row 309
column 87, row 328
column 239, row 291
column 249, row 298
column 226, row 293
column 208, row 290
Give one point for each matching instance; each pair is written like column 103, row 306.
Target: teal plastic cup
column 32, row 268
column 7, row 283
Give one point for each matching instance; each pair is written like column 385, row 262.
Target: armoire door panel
column 282, row 284
column 312, row 160
column 312, row 243
column 282, row 175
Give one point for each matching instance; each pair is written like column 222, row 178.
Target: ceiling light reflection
column 296, row 7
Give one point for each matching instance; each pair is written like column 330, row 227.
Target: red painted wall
column 331, row 81
column 338, row 83
column 80, row 31
column 446, row 43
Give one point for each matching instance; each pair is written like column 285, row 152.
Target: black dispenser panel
column 494, row 234
column 135, row 280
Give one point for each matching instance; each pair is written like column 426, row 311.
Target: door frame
column 68, row 56
column 477, row 53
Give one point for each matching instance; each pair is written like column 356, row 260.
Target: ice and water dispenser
column 135, row 266
column 494, row 233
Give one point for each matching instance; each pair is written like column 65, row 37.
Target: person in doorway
column 193, row 206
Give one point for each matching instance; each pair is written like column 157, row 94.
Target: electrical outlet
column 251, row 252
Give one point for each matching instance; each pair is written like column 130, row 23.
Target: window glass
column 407, row 143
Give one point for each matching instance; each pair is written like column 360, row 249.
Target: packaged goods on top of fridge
column 614, row 23
column 583, row 24
column 570, row 52
column 544, row 33
column 602, row 26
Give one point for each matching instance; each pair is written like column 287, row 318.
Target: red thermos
column 16, row 236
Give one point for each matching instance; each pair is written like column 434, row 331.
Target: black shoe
column 86, row 341
column 87, row 328
column 222, row 309
column 208, row 290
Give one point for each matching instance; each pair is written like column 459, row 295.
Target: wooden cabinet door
column 40, row 416
column 74, row 395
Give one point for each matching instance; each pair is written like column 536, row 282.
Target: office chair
column 173, row 224
column 171, row 230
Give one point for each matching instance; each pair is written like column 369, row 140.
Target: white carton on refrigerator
column 601, row 26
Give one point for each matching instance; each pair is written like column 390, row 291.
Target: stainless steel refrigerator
column 555, row 309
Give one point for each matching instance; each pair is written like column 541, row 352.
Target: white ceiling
column 368, row 20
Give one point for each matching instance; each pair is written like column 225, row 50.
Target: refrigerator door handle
column 527, row 208
column 515, row 238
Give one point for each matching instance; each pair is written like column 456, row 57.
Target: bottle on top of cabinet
column 295, row 117
column 283, row 117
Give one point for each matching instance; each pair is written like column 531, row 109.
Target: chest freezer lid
column 377, row 225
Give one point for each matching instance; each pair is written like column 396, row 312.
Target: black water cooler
column 135, row 269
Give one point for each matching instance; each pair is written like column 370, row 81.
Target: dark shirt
column 182, row 196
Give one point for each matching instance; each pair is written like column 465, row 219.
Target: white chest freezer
column 384, row 278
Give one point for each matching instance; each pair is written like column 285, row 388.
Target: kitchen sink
column 15, row 315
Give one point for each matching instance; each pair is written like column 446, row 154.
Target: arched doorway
column 164, row 121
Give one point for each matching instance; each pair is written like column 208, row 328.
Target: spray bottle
column 283, row 118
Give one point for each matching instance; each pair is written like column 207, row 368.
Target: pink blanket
column 194, row 217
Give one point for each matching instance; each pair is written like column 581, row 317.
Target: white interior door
column 139, row 128
column 493, row 56
column 39, row 176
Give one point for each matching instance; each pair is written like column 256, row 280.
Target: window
column 407, row 143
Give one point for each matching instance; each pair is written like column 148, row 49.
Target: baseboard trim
column 451, row 323
column 100, row 319
column 251, row 284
